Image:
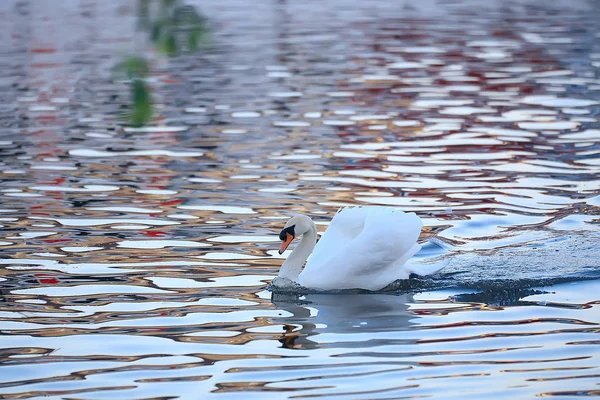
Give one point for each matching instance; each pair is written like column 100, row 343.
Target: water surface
column 135, row 261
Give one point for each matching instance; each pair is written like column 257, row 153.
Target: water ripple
column 135, row 261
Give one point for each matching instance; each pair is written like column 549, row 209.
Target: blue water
column 136, row 262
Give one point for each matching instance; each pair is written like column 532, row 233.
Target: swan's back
column 363, row 247
column 346, row 225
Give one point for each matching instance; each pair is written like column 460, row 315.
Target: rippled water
column 135, row 261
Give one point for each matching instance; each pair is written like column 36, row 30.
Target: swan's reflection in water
column 340, row 314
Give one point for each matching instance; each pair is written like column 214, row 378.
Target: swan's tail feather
column 425, row 269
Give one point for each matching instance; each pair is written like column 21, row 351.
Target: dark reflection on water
column 340, row 314
column 135, row 261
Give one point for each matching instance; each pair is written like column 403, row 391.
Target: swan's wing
column 371, row 260
column 399, row 266
column 345, row 226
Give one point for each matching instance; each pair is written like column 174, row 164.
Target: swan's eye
column 290, row 230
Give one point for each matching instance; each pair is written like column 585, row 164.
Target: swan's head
column 296, row 226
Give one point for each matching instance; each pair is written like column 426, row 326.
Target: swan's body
column 362, row 248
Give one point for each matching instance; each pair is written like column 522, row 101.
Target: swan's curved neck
column 292, row 267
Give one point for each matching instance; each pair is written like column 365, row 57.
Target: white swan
column 362, row 248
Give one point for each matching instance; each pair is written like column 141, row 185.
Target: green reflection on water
column 174, row 28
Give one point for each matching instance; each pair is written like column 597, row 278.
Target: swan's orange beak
column 286, row 242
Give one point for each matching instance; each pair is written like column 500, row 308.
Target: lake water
column 136, row 261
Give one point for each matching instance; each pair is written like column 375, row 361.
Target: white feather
column 365, row 248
